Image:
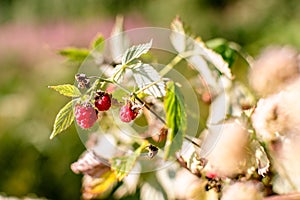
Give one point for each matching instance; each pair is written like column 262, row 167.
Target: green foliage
column 148, row 80
column 64, row 119
column 176, row 119
column 124, row 164
column 135, row 52
column 98, row 43
column 75, row 54
column 67, row 90
column 222, row 47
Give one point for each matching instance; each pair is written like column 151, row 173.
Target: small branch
column 146, row 106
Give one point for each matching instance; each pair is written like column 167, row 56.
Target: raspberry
column 127, row 114
column 85, row 115
column 102, row 101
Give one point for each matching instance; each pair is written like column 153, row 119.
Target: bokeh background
column 31, row 32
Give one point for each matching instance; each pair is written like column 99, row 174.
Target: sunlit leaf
column 178, row 35
column 145, row 76
column 119, row 72
column 67, row 90
column 100, row 186
column 135, row 52
column 98, row 43
column 124, row 164
column 183, row 42
column 63, row 119
column 176, row 119
column 214, row 58
column 75, row 54
column 222, row 47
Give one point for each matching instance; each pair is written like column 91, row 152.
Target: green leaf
column 222, row 47
column 124, row 164
column 183, row 42
column 75, row 54
column 98, row 43
column 213, row 57
column 135, row 52
column 64, row 119
column 175, row 118
column 147, row 77
column 67, row 90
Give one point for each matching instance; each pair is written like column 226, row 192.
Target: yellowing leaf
column 67, row 90
column 98, row 187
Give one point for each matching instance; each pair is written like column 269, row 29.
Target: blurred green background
column 31, row 32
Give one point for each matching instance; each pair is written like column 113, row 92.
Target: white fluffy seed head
column 274, row 70
column 286, row 163
column 242, row 191
column 231, row 154
column 278, row 115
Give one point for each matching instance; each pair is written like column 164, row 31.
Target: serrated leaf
column 118, row 42
column 67, row 90
column 179, row 38
column 119, row 72
column 63, row 120
column 135, row 52
column 182, row 42
column 178, row 35
column 175, row 118
column 214, row 58
column 75, row 54
column 145, row 75
column 98, row 43
column 223, row 48
column 124, row 164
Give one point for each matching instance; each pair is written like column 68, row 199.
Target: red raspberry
column 85, row 115
column 102, row 101
column 127, row 114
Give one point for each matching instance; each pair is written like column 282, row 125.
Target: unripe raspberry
column 102, row 101
column 127, row 114
column 85, row 116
